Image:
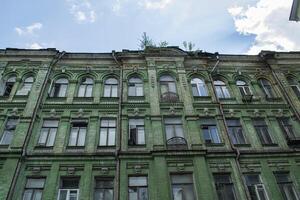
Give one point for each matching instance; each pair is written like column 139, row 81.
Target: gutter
column 236, row 150
column 58, row 56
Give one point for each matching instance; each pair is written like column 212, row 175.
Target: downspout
column 53, row 62
column 285, row 94
column 236, row 150
column 119, row 128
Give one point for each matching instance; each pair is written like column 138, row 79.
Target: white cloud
column 34, row 45
column 268, row 21
column 155, row 4
column 82, row 11
column 29, row 30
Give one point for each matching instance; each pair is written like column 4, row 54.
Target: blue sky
column 106, row 25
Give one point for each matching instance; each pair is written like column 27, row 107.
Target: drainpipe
column 53, row 62
column 285, row 94
column 236, row 150
column 119, row 128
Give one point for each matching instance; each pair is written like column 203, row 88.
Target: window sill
column 242, row 145
column 136, row 98
column 270, row 145
column 214, row 144
column 83, row 99
column 43, row 147
column 110, row 99
column 137, row 146
column 227, row 99
column 106, row 147
column 56, row 99
column 4, row 146
column 202, row 98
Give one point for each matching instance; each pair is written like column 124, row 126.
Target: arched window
column 198, row 87
column 294, row 85
column 167, row 84
column 6, row 86
column 221, row 89
column 267, row 88
column 243, row 87
column 168, row 89
column 86, row 87
column 111, row 87
column 59, row 88
column 26, row 86
column 135, row 87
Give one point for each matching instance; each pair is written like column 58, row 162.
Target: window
column 59, row 88
column 224, row 187
column 182, row 187
column 173, row 128
column 221, row 89
column 235, row 131
column 104, row 189
column 167, row 84
column 138, row 188
column 243, row 87
column 26, row 87
column 267, row 88
column 136, row 132
column 210, row 130
column 286, row 186
column 34, row 189
column 69, row 189
column 294, row 85
column 107, row 132
column 198, row 87
column 48, row 133
column 262, row 131
column 135, row 87
column 5, row 88
column 85, row 87
column 255, row 187
column 111, row 87
column 9, row 131
column 286, row 127
column 78, row 133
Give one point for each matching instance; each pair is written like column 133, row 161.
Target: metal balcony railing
column 169, row 97
column 177, row 143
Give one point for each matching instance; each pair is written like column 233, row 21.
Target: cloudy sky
column 226, row 26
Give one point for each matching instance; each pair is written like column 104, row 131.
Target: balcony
column 169, row 97
column 292, row 140
column 177, row 143
column 247, row 98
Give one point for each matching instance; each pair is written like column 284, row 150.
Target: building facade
column 157, row 124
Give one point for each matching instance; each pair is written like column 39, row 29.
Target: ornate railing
column 177, row 143
column 169, row 97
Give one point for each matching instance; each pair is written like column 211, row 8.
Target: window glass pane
column 172, row 87
column 111, row 81
column 51, row 138
column 138, row 181
column 169, row 132
column 111, row 137
column 186, row 178
column 62, row 91
column 139, row 90
column 37, row 195
column 179, row 130
column 27, row 194
column 73, row 136
column 103, row 137
column 35, row 183
column 89, row 91
column 50, row 123
column 114, row 92
column 131, row 91
column 203, row 91
column 107, row 90
column 164, row 88
column 141, row 135
column 62, row 81
column 81, row 90
column 166, row 78
column 195, row 90
column 69, row 183
column 226, row 92
column 173, row 121
column 81, row 138
column 6, row 137
column 219, row 92
column 136, row 122
column 43, row 136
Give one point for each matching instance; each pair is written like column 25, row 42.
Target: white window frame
column 68, row 193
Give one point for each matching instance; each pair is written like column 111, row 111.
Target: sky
column 224, row 26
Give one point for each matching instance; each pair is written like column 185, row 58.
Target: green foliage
column 188, row 46
column 146, row 41
column 163, row 44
